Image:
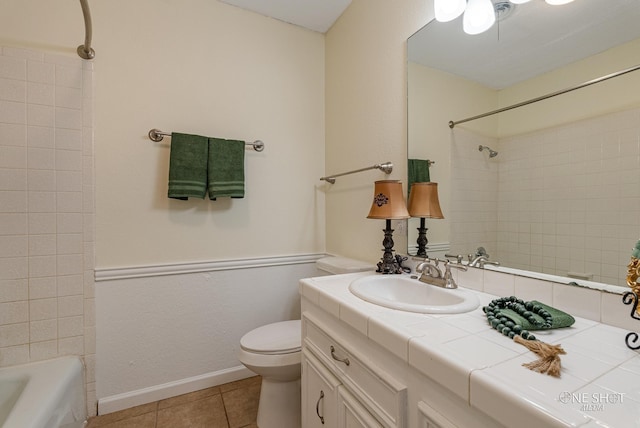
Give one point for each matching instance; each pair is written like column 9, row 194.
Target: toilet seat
column 273, row 339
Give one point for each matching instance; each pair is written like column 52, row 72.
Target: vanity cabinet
column 341, row 388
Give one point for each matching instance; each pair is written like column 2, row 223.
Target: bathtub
column 47, row 394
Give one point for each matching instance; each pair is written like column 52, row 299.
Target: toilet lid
column 277, row 338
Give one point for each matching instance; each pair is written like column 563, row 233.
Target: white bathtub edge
column 126, row 400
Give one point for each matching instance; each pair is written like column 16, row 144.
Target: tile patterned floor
column 232, row 405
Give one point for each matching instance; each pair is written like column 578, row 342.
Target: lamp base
column 422, row 240
column 389, row 263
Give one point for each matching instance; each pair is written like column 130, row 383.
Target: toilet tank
column 335, row 265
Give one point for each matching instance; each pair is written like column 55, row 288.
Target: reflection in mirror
column 562, row 196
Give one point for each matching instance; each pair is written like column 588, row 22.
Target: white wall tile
column 13, row 223
column 71, row 346
column 41, row 202
column 43, row 309
column 69, row 97
column 12, row 290
column 13, row 90
column 41, row 72
column 13, row 68
column 43, row 330
column 41, row 266
column 70, row 306
column 70, row 285
column 69, row 264
column 40, row 93
column 41, row 158
column 42, row 223
column 69, row 139
column 69, row 243
column 40, row 115
column 577, row 301
column 68, row 160
column 13, row 201
column 68, row 181
column 12, row 135
column 12, row 156
column 13, row 179
column 68, row 118
column 13, row 245
column 43, row 350
column 14, row 334
column 40, row 136
column 41, row 180
column 70, row 326
column 14, row 268
column 69, row 223
column 13, row 355
column 14, row 312
column 42, row 288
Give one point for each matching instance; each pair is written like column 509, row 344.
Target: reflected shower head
column 492, row 153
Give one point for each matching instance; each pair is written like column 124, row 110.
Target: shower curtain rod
column 86, row 51
column 544, row 97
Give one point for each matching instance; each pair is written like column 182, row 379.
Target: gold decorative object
column 633, row 273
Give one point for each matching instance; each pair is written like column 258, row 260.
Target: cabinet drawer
column 381, row 394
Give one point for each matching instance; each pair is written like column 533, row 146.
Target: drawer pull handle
column 318, row 407
column 335, row 357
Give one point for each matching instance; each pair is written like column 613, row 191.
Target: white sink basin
column 406, row 294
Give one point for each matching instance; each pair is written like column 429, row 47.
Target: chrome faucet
column 432, row 274
column 481, row 258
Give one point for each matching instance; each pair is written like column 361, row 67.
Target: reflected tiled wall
column 570, row 198
column 46, row 208
column 564, row 199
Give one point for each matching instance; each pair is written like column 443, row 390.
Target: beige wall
column 196, row 66
column 366, row 116
column 602, row 98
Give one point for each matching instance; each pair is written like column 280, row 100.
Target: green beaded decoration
column 525, row 309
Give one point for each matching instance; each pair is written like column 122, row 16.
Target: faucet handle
column 458, row 257
column 458, row 265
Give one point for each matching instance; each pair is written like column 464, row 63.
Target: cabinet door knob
column 335, row 357
column 318, row 407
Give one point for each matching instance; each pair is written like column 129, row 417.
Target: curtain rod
column 86, row 51
column 544, row 97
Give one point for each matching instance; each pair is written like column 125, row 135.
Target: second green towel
column 560, row 318
column 226, row 168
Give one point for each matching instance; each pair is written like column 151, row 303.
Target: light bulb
column 478, row 17
column 448, row 10
column 558, row 2
column 521, row 1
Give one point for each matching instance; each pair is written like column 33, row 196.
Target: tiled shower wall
column 46, row 209
column 564, row 199
column 570, row 198
column 474, row 198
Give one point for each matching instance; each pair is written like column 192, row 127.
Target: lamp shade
column 423, row 201
column 388, row 201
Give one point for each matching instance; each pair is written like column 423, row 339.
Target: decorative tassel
column 549, row 361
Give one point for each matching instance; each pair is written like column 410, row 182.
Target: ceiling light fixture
column 448, row 10
column 479, row 15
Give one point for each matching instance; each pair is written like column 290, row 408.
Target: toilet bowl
column 274, row 352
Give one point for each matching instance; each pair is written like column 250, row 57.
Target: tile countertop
column 599, row 385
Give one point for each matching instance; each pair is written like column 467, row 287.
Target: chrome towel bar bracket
column 158, row 135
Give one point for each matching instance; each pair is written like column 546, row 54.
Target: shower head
column 492, row 153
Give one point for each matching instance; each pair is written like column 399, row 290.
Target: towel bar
column 157, row 135
column 386, row 167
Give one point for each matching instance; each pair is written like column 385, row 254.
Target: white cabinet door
column 428, row 417
column 351, row 414
column 319, row 394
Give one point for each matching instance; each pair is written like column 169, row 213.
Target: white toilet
column 274, row 352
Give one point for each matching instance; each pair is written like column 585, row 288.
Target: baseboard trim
column 107, row 274
column 130, row 399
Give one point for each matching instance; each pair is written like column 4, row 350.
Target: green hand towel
column 188, row 166
column 226, row 168
column 560, row 319
column 417, row 172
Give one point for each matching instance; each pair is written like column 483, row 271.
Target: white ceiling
column 316, row 15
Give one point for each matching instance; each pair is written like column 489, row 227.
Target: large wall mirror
column 559, row 190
